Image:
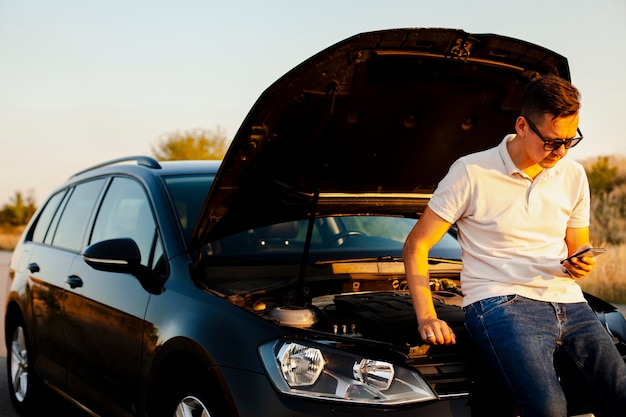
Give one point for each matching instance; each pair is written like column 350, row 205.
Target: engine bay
column 367, row 300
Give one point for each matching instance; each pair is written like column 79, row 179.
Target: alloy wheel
column 191, row 406
column 19, row 364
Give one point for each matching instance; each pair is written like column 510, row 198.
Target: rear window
column 65, row 217
column 41, row 228
column 70, row 231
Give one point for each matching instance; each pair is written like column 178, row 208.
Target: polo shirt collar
column 509, row 165
column 511, row 169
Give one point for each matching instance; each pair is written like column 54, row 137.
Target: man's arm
column 576, row 239
column 425, row 234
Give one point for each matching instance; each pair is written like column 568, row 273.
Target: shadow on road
column 6, row 409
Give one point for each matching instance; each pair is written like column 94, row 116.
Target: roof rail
column 146, row 161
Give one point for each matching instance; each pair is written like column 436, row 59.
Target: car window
column 125, row 212
column 71, row 226
column 42, row 226
column 188, row 193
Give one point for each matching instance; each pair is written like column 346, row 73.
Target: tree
column 192, row 144
column 602, row 176
column 19, row 210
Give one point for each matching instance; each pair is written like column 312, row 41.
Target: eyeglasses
column 554, row 144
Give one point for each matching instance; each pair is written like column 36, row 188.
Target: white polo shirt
column 511, row 228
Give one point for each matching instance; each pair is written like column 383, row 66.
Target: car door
column 45, row 268
column 51, row 247
column 104, row 311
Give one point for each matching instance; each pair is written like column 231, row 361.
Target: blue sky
column 82, row 81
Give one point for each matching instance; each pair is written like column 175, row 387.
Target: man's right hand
column 428, row 230
column 436, row 332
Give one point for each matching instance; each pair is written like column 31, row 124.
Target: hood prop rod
column 301, row 296
column 331, row 93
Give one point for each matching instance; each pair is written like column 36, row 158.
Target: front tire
column 192, row 406
column 192, row 395
column 25, row 387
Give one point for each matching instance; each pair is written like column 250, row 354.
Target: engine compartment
column 360, row 299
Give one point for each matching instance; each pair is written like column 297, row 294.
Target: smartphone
column 586, row 252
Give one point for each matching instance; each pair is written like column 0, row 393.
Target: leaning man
column 521, row 208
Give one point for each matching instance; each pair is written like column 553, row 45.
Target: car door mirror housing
column 114, row 255
column 122, row 255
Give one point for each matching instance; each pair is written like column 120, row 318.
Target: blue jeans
column 518, row 338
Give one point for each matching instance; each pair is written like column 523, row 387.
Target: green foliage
column 601, row 176
column 19, row 210
column 194, row 144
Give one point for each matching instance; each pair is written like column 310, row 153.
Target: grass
column 608, row 279
column 9, row 236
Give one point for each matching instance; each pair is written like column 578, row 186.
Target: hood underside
column 370, row 125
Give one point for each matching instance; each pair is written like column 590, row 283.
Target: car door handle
column 74, row 281
column 33, row 267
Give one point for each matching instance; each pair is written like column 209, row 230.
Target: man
column 520, row 209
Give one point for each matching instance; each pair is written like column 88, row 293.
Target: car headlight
column 322, row 372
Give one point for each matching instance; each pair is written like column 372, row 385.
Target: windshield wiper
column 382, row 258
column 444, row 261
column 386, row 258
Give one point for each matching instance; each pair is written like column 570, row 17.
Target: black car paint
column 113, row 339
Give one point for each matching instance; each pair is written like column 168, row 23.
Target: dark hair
column 550, row 94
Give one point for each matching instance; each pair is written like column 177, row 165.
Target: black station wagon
column 271, row 283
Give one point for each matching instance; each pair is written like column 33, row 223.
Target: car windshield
column 342, row 248
column 332, row 239
column 274, row 257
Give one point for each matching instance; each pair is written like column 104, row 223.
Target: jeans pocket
column 491, row 304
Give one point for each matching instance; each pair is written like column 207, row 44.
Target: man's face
column 562, row 128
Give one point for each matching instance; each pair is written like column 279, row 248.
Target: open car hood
column 369, row 126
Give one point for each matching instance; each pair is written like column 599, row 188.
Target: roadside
column 5, row 257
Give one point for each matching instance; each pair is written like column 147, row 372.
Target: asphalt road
column 6, row 409
column 5, row 404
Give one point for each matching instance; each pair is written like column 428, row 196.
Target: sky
column 84, row 81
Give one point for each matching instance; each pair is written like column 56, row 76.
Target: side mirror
column 123, row 256
column 114, row 255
